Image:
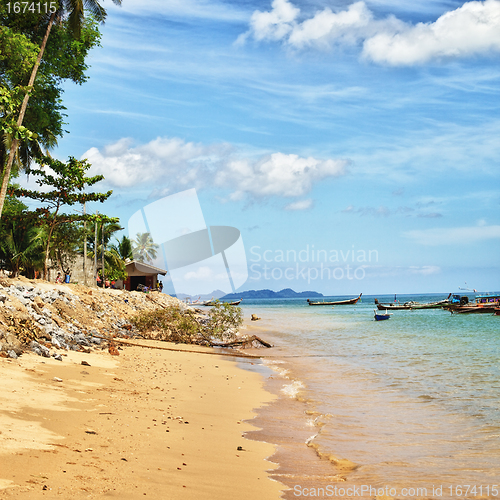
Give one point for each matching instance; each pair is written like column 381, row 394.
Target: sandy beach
column 149, row 422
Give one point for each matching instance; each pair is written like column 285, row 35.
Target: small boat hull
column 213, row 302
column 394, row 307
column 381, row 317
column 336, row 302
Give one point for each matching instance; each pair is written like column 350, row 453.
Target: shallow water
column 412, row 402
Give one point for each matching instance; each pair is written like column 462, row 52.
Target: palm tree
column 144, row 248
column 21, row 245
column 123, row 248
column 74, row 10
column 114, row 265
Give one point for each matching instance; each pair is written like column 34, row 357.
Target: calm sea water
column 410, row 406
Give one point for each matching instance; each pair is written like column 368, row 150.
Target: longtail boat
column 483, row 304
column 395, row 306
column 212, row 303
column 335, row 303
column 432, row 305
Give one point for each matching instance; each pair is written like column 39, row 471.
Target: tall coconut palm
column 123, row 248
column 74, row 11
column 144, row 248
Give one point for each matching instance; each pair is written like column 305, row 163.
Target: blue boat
column 380, row 316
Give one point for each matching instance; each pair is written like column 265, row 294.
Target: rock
column 12, row 344
column 85, row 363
column 45, row 351
column 113, row 350
column 12, row 355
column 57, row 356
column 255, row 317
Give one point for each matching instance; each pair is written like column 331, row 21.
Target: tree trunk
column 47, row 248
column 15, row 143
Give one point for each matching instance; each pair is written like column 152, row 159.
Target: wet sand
column 148, row 423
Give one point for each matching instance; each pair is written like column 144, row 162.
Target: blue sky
column 339, row 126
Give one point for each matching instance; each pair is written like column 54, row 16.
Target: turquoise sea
column 404, row 408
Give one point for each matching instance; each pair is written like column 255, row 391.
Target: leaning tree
column 72, row 13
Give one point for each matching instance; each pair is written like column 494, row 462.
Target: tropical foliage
column 27, row 49
column 144, row 248
column 21, row 240
column 175, row 325
column 114, row 263
column 38, row 53
column 68, row 183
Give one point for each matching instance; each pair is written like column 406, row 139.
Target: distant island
column 286, row 293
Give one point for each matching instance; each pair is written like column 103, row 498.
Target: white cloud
column 277, row 23
column 300, row 205
column 170, row 163
column 278, row 174
column 162, row 160
column 469, row 30
column 453, row 236
column 425, row 270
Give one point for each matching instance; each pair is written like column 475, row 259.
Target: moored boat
column 432, row 305
column 395, row 306
column 381, row 317
column 335, row 303
column 213, row 302
column 483, row 304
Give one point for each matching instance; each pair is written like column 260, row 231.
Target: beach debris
column 255, row 317
column 90, row 431
column 57, row 379
column 57, row 356
column 113, row 350
column 240, row 448
column 85, row 363
column 247, row 341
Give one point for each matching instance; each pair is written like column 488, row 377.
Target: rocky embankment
column 49, row 319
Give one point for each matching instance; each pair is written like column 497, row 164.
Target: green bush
column 224, row 321
column 173, row 325
column 167, row 324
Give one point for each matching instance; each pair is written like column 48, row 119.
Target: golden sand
column 148, row 423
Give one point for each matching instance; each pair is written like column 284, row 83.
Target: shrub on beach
column 224, row 321
column 175, row 325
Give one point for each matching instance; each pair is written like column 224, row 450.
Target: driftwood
column 236, row 354
column 243, row 342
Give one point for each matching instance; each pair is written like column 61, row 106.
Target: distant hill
column 286, row 293
column 216, row 294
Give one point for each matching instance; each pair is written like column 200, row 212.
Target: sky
column 358, row 138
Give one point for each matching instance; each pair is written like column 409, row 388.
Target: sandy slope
column 154, row 423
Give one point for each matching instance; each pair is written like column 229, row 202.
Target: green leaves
column 175, row 325
column 68, row 181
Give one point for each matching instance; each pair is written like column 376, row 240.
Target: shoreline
column 291, row 422
column 157, row 423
